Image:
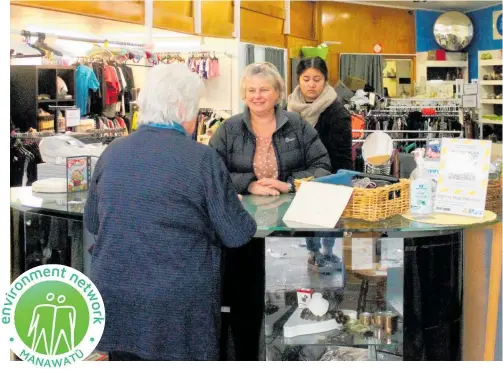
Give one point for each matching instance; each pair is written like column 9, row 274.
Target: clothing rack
column 404, row 140
column 88, row 133
column 398, row 131
column 80, row 39
column 421, row 101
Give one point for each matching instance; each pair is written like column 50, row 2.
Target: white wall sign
column 470, row 89
column 469, row 101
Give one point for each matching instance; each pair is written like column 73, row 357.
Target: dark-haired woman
column 316, row 101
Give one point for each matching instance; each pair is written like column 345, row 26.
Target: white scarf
column 311, row 111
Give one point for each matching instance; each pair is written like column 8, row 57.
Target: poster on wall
column 497, row 25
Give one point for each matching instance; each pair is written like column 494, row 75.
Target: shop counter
column 442, row 284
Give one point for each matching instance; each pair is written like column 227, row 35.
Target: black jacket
column 334, row 128
column 299, row 151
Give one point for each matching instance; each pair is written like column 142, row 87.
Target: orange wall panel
column 302, row 19
column 180, row 7
column 217, row 18
column 270, row 32
column 174, row 16
column 130, row 11
column 360, row 27
column 274, row 9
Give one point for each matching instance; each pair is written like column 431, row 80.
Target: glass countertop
column 267, row 211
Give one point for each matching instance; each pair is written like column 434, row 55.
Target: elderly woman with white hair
column 162, row 206
column 266, row 148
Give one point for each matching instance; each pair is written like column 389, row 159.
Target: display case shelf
column 353, row 275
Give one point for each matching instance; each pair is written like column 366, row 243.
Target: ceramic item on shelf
column 318, row 305
column 486, row 77
column 296, row 325
column 498, row 96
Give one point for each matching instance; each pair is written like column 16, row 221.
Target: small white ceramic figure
column 318, row 305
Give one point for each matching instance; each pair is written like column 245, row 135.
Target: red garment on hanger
column 112, row 84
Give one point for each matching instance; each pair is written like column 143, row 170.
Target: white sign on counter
column 463, row 177
column 318, row 204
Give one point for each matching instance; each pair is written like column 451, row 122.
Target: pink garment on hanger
column 215, row 72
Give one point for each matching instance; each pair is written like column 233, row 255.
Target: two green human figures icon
column 52, row 326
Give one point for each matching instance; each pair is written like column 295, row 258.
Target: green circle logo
column 55, row 316
column 47, row 303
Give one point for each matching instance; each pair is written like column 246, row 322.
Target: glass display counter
column 425, row 276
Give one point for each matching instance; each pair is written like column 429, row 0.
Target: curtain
column 277, row 58
column 367, row 67
column 250, row 54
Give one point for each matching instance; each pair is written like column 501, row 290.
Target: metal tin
column 379, row 320
column 366, row 319
column 390, row 322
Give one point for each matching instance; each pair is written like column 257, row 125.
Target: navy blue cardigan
column 161, row 207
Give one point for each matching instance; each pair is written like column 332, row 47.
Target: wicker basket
column 376, row 204
column 493, row 199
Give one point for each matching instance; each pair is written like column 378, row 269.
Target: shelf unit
column 30, row 81
column 490, row 106
column 434, row 73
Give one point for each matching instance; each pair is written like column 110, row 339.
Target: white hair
column 170, row 94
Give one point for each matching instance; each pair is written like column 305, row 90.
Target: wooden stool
column 366, row 276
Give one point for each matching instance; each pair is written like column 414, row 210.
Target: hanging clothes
column 112, row 85
column 128, row 76
column 85, row 80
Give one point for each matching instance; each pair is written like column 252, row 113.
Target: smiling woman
column 266, row 148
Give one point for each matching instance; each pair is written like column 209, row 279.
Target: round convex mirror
column 453, row 31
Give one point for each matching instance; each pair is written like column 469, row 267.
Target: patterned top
column 264, row 161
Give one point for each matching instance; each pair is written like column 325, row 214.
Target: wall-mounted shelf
column 490, row 62
column 28, row 82
column 491, row 83
column 54, row 100
column 491, row 101
column 490, row 121
column 446, row 64
column 490, row 107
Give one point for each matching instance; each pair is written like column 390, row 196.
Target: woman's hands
column 282, row 187
column 268, row 187
column 257, row 189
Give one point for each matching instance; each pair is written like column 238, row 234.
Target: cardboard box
column 354, row 83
